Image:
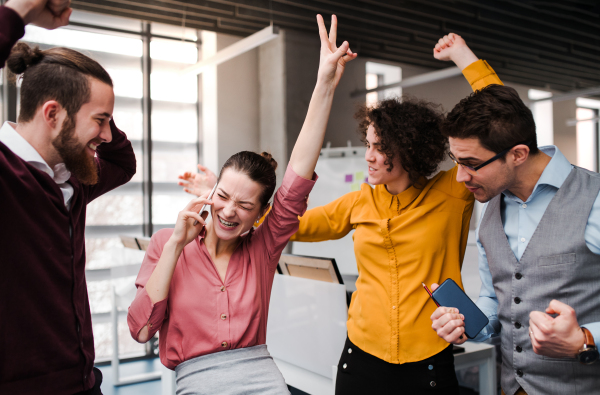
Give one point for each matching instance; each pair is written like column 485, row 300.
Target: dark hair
column 495, row 115
column 407, row 128
column 259, row 168
column 54, row 74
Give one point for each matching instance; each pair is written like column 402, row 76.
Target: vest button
column 519, row 348
column 517, row 325
column 520, row 373
column 518, row 276
column 517, row 300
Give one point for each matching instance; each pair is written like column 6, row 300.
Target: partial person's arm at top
column 115, row 161
column 478, row 72
column 15, row 14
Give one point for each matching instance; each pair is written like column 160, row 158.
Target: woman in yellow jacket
column 408, row 229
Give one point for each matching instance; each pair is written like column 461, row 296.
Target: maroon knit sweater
column 46, row 341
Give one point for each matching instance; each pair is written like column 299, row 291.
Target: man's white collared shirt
column 20, row 147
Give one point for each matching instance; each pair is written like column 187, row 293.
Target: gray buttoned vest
column 556, row 264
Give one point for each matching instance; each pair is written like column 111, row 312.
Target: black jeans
column 362, row 373
column 95, row 390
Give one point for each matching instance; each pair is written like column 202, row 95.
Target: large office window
column 379, row 74
column 588, row 137
column 118, row 45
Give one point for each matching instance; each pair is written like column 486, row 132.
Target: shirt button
column 522, row 240
column 524, row 205
column 430, row 367
column 344, row 366
column 84, row 377
column 432, row 383
column 222, row 288
column 394, row 307
column 519, row 348
column 223, row 316
column 224, row 344
column 349, row 351
column 518, row 276
column 520, row 373
column 517, row 325
column 517, row 300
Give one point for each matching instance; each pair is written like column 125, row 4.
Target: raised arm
column 116, row 164
column 331, row 67
column 479, row 73
column 15, row 14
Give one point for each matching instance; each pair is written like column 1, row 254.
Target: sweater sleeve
column 116, row 164
column 480, row 74
column 142, row 311
column 12, row 29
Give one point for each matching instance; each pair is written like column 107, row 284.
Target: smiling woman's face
column 236, row 205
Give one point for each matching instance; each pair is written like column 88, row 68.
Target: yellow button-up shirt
column 419, row 235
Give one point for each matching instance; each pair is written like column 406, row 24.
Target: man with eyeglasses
column 539, row 247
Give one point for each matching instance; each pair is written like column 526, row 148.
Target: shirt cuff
column 594, row 328
column 296, row 188
column 143, row 312
column 480, row 74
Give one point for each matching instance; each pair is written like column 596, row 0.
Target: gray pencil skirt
column 248, row 371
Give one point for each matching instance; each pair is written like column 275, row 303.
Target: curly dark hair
column 409, row 128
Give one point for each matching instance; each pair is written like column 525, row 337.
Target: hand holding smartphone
column 449, row 294
column 204, row 210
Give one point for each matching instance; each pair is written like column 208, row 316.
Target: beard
column 74, row 154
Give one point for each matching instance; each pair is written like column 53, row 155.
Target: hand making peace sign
column 333, row 59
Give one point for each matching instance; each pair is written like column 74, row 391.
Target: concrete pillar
column 229, row 102
column 272, row 101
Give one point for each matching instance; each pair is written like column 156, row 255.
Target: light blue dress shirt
column 520, row 220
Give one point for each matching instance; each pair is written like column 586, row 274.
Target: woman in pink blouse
column 206, row 287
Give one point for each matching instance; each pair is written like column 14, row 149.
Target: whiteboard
column 340, row 171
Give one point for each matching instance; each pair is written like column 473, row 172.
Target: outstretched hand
column 198, row 183
column 333, row 59
column 453, row 47
column 48, row 14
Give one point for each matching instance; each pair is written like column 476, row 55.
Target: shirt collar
column 406, row 197
column 555, row 173
column 21, row 147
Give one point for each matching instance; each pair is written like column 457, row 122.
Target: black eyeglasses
column 473, row 170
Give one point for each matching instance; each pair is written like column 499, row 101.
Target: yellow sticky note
column 355, row 186
column 359, row 176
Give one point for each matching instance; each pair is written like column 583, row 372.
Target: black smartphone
column 449, row 294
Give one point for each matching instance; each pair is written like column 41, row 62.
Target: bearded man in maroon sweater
column 64, row 152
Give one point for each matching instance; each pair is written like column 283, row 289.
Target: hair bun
column 269, row 157
column 22, row 56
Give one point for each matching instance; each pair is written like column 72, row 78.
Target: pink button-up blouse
column 203, row 315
